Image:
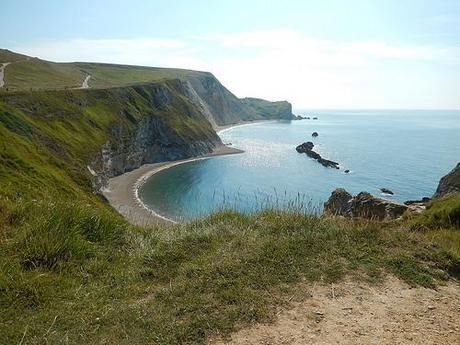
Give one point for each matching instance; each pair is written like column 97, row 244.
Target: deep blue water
column 404, row 151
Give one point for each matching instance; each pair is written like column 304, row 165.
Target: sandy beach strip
column 122, row 190
column 220, row 129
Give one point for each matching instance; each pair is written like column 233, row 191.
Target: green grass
column 49, row 137
column 72, row 272
column 9, row 56
column 440, row 213
column 271, row 110
column 26, row 74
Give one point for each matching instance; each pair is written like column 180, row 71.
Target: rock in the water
column 347, row 171
column 307, row 148
column 314, row 134
column 363, row 205
column 327, row 163
column 386, row 191
column 308, row 118
column 449, row 184
column 338, row 203
column 315, row 118
column 424, row 200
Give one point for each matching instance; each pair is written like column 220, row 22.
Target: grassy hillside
column 9, row 56
column 27, row 73
column 73, row 271
column 273, row 110
column 48, row 138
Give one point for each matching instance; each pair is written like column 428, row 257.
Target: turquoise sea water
column 404, row 151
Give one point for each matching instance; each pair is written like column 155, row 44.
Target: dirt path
column 2, row 73
column 352, row 314
column 85, row 84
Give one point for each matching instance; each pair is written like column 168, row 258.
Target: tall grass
column 79, row 274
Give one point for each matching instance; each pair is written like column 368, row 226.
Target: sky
column 316, row 54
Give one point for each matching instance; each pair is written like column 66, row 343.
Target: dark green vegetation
column 73, row 271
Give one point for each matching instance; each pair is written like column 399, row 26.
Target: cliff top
column 30, row 73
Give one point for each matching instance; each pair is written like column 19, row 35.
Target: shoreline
column 220, row 129
column 122, row 192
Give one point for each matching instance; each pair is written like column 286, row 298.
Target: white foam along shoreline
column 123, row 191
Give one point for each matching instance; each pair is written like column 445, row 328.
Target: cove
column 404, row 151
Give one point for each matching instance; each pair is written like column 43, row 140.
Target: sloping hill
column 31, row 73
column 73, row 271
column 218, row 104
column 9, row 56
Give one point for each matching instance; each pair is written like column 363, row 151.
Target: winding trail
column 2, row 73
column 85, row 84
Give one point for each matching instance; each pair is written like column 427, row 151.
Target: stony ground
column 349, row 313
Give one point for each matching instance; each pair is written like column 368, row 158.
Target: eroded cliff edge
column 101, row 133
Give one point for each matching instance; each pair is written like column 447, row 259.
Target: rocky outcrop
column 338, row 203
column 307, row 148
column 449, row 184
column 386, row 191
column 314, row 134
column 424, row 200
column 363, row 205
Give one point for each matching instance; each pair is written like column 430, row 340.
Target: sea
column 405, row 151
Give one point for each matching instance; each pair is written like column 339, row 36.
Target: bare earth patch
column 350, row 313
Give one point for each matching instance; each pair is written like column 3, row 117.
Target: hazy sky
column 316, row 54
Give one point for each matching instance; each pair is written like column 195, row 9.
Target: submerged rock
column 363, row 205
column 315, row 118
column 347, row 171
column 449, row 184
column 314, row 134
column 386, row 191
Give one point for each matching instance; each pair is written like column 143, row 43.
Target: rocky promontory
column 363, row 205
column 307, row 148
column 449, row 184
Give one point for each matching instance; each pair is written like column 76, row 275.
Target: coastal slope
column 126, row 117
column 63, row 248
